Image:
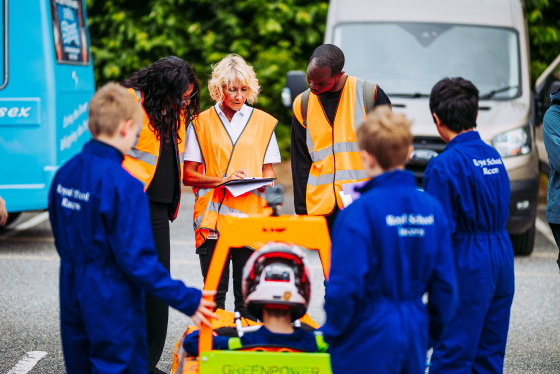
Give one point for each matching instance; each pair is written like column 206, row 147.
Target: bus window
column 4, row 43
column 69, row 32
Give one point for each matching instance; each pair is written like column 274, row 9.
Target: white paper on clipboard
column 240, row 186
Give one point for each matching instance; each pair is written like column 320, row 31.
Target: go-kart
column 304, row 231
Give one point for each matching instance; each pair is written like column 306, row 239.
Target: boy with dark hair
column 100, row 221
column 389, row 248
column 277, row 290
column 471, row 182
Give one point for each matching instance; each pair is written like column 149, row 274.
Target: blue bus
column 46, row 82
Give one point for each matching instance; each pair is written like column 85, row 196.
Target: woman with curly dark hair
column 168, row 92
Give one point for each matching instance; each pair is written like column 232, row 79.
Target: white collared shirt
column 234, row 129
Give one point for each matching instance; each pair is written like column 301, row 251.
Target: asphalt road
column 29, row 320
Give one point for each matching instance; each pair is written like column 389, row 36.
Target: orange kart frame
column 305, row 231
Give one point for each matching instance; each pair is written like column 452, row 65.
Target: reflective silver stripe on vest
column 201, row 192
column 143, row 156
column 359, row 113
column 338, row 148
column 309, row 141
column 341, row 175
column 215, row 207
column 139, row 96
column 359, row 105
column 181, row 158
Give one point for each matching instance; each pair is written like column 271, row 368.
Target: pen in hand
column 239, row 174
column 243, row 173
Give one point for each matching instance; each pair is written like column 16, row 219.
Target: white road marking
column 28, row 362
column 32, row 222
column 545, row 230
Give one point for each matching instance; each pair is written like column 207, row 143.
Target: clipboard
column 245, row 181
column 238, row 187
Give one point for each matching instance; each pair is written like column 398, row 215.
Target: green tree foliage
column 273, row 36
column 543, row 17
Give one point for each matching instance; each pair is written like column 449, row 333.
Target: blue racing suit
column 471, row 182
column 389, row 248
column 300, row 339
column 101, row 225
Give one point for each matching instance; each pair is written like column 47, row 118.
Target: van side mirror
column 295, row 84
column 542, row 102
column 553, row 88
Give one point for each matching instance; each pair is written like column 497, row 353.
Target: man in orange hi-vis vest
column 325, row 117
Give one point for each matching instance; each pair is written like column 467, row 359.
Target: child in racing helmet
column 276, row 289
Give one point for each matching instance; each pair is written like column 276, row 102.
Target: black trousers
column 331, row 217
column 555, row 227
column 156, row 310
column 237, row 257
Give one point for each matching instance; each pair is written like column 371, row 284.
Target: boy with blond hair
column 101, row 225
column 389, row 248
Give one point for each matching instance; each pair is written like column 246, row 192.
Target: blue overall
column 300, row 339
column 389, row 248
column 471, row 182
column 101, row 225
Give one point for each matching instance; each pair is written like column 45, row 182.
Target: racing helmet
column 277, row 274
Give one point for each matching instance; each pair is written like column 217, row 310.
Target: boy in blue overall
column 471, row 182
column 101, row 226
column 276, row 289
column 389, row 248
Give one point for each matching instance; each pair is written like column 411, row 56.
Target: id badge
column 212, row 235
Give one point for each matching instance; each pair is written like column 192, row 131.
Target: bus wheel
column 11, row 218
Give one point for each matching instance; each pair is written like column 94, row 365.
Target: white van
column 406, row 46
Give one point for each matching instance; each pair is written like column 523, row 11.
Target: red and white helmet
column 277, row 274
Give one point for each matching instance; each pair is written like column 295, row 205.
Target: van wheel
column 523, row 244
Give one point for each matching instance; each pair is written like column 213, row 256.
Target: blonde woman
column 229, row 141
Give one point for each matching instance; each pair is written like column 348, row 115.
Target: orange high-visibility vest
column 141, row 161
column 335, row 156
column 221, row 158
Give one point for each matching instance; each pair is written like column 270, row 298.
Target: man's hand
column 3, row 213
column 204, row 310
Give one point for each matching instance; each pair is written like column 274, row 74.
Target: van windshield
column 406, row 59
